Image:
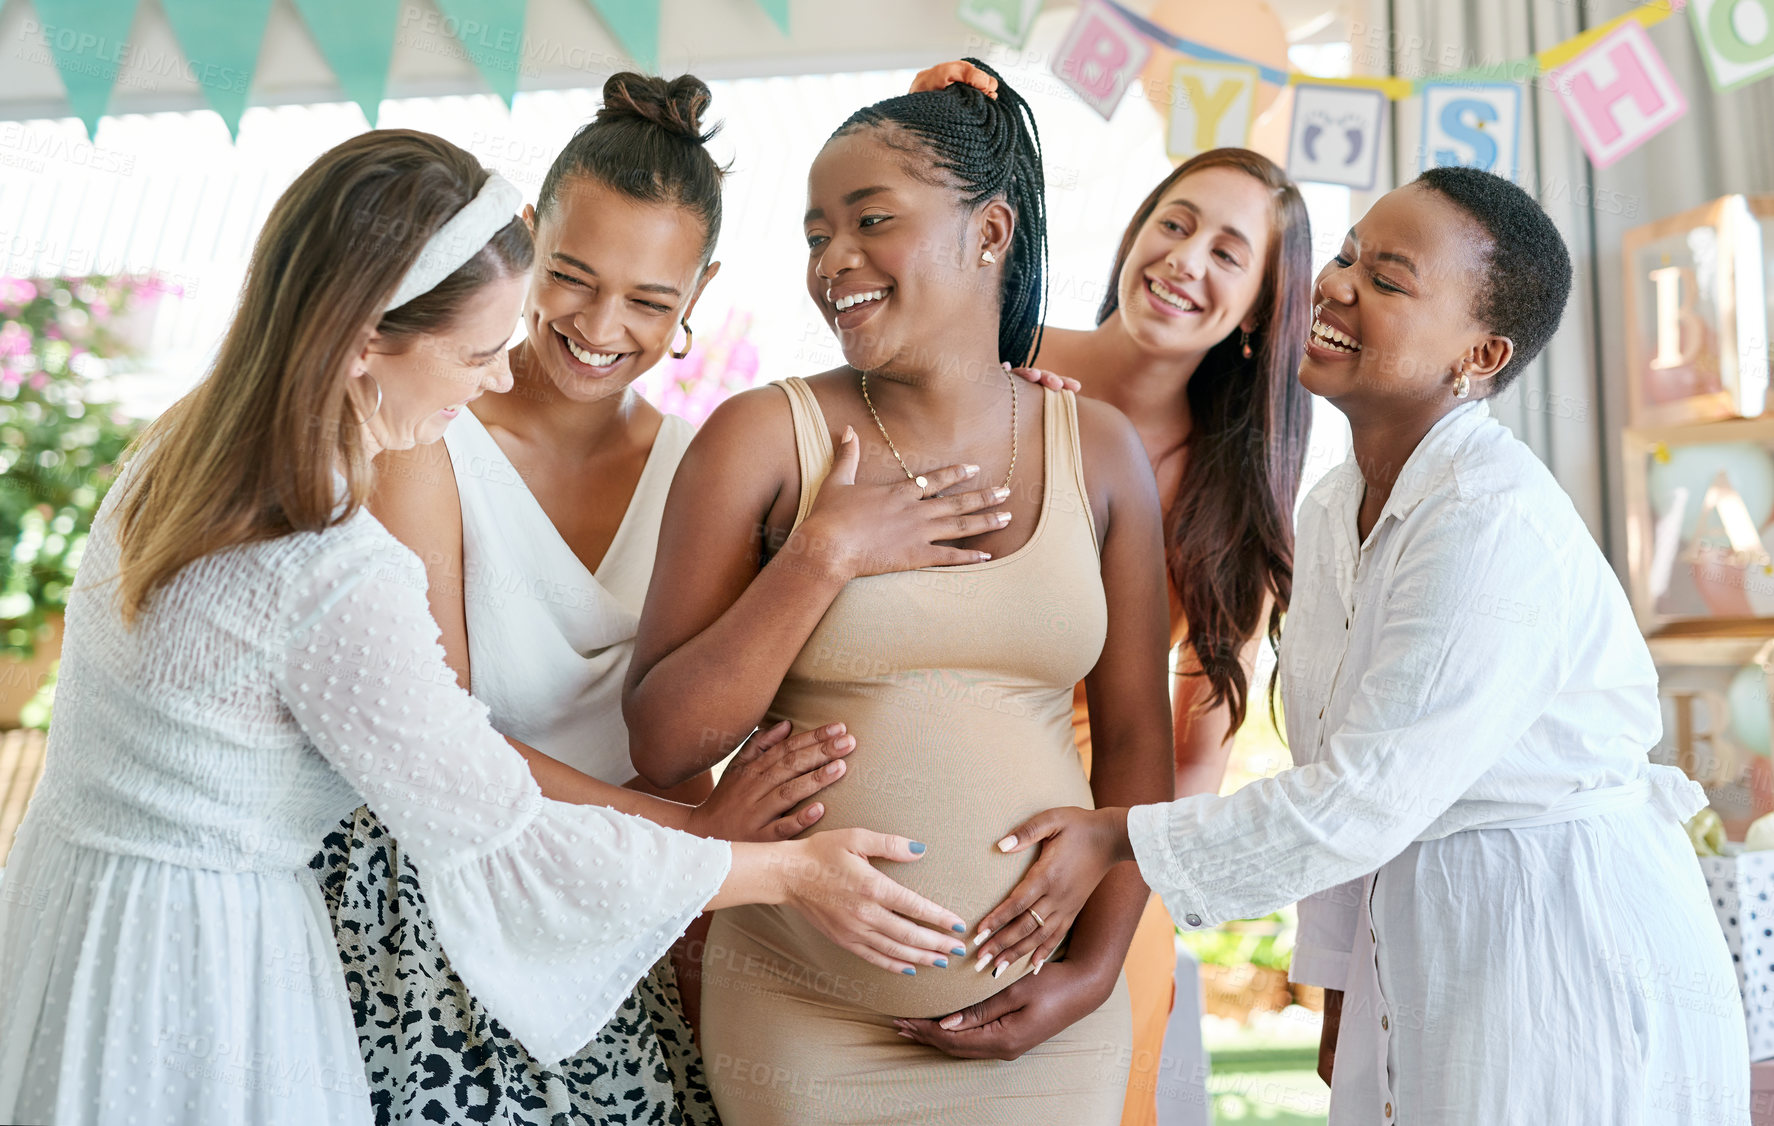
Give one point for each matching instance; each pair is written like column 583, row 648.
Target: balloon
column 1746, row 465
column 1748, row 697
column 1759, row 837
column 1758, row 581
column 1248, row 29
column 1707, row 832
column 1723, row 586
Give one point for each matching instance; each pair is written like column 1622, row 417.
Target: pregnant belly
column 956, row 778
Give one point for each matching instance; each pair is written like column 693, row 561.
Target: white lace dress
column 165, row 954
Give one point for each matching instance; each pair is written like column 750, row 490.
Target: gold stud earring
column 986, row 257
column 689, row 338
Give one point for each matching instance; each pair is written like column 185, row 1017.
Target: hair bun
column 674, row 105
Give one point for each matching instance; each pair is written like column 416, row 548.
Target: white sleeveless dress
column 549, row 644
column 549, row 641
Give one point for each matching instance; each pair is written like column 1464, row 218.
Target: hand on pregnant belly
column 1029, row 1013
column 1078, row 847
column 756, row 796
column 832, row 883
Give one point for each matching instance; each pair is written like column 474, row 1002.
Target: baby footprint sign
column 1336, row 135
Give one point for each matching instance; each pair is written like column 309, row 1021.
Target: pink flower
column 39, row 381
column 17, row 291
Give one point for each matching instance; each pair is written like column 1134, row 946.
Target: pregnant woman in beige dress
column 816, row 558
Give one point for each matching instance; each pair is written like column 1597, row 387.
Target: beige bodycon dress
column 957, row 683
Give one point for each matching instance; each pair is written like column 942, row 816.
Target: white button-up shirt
column 1472, row 665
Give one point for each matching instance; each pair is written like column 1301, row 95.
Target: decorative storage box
column 1698, row 289
column 1700, row 526
column 1742, row 890
column 1718, row 723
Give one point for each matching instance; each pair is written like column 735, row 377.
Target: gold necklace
column 918, row 479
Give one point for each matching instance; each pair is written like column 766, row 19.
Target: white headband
column 460, row 238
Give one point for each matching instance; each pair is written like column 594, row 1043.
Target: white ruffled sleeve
column 549, row 912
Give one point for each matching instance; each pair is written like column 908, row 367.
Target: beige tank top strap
column 813, row 441
column 1066, row 492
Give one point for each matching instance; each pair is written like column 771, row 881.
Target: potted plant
column 60, row 439
column 1244, row 966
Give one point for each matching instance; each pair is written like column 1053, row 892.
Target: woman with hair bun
column 935, row 552
column 537, row 517
column 249, row 655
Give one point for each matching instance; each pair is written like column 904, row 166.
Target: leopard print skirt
column 433, row 1055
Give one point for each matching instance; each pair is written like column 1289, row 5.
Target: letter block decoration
column 1699, row 306
column 1713, row 693
column 1335, row 136
column 1618, row 94
column 1736, row 38
column 1472, row 125
column 1213, row 105
column 1101, row 55
column 1700, row 526
column 1007, row 21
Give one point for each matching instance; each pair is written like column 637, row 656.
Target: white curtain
column 1571, row 405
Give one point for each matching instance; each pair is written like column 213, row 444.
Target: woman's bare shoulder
column 754, row 416
column 414, row 487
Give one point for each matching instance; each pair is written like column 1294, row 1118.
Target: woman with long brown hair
column 1198, row 339
column 249, row 656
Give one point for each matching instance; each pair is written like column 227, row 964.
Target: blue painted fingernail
column 959, row 952
column 910, row 971
column 959, row 928
column 917, row 846
column 943, row 963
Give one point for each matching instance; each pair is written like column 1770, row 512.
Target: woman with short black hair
column 1494, row 881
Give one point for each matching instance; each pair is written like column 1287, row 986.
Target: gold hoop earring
column 689, row 338
column 1462, row 385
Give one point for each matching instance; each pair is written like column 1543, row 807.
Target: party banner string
column 1396, row 88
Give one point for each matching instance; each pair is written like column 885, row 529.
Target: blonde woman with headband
column 249, row 656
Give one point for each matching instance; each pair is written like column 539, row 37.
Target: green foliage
column 60, row 437
column 1266, row 943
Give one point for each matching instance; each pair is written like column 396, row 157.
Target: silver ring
column 1037, row 918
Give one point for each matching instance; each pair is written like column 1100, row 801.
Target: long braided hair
column 986, row 149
